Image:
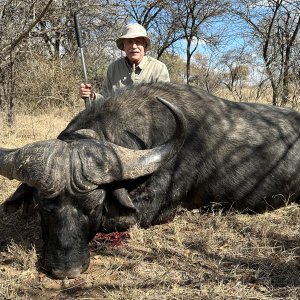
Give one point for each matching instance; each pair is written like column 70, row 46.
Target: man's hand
column 86, row 91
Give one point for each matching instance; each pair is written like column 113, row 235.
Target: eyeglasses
column 136, row 41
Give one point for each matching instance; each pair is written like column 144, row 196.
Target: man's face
column 135, row 49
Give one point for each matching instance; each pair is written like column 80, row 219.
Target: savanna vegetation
column 244, row 50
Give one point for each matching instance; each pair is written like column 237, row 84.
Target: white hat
column 133, row 31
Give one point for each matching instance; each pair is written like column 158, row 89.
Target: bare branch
column 24, row 34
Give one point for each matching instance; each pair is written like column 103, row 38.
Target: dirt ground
column 200, row 255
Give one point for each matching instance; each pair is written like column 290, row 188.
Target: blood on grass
column 114, row 239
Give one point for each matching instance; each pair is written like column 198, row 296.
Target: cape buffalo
column 135, row 158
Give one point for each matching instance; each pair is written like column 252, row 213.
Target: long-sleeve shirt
column 120, row 74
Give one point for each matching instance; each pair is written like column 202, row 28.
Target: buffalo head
column 67, row 182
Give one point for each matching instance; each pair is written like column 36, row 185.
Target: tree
column 158, row 19
column 170, row 22
column 274, row 27
column 39, row 33
column 205, row 73
column 176, row 66
column 195, row 18
column 236, row 71
column 17, row 19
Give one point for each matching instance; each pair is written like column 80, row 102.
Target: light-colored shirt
column 120, row 74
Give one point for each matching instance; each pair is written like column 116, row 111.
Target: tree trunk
column 11, row 117
column 188, row 62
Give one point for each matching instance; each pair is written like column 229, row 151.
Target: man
column 135, row 68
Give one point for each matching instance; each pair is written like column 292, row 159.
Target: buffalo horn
column 42, row 165
column 103, row 162
column 81, row 165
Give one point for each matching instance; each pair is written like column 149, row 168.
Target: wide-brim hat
column 133, row 31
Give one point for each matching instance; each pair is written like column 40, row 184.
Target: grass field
column 199, row 255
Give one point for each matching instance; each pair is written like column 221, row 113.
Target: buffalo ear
column 22, row 196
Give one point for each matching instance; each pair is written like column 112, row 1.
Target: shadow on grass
column 277, row 268
column 269, row 262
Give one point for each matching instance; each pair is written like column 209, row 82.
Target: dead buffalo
column 135, row 158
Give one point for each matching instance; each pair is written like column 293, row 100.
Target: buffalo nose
column 72, row 273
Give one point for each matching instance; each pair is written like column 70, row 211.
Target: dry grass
column 199, row 255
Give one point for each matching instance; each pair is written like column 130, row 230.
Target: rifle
column 87, row 101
